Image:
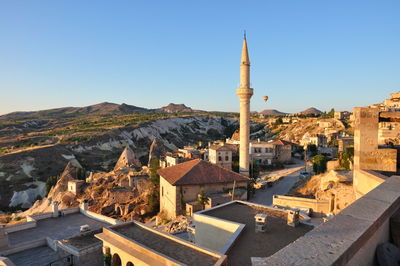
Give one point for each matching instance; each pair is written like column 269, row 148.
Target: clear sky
column 325, row 54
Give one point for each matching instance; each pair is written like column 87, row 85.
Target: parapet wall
column 216, row 234
column 366, row 180
column 99, row 217
column 317, row 206
column 350, row 238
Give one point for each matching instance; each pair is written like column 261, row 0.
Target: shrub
column 319, row 164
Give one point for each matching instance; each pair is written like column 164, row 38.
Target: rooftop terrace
column 251, row 244
column 55, row 228
column 166, row 246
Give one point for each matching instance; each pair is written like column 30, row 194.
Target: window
column 226, row 158
column 162, row 191
column 219, row 158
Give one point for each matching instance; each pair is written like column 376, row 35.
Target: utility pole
column 233, row 190
column 305, row 158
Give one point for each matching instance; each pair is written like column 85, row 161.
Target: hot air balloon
column 265, row 98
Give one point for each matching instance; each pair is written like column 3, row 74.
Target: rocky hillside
column 107, row 193
column 24, row 170
column 295, row 131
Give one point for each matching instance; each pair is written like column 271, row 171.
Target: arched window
column 116, row 260
column 130, row 264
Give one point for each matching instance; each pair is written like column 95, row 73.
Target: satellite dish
column 265, row 98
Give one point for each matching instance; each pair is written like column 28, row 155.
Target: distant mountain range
column 104, row 108
column 274, row 112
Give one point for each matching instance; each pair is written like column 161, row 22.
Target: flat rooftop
column 35, row 257
column 166, row 246
column 251, row 244
column 55, row 228
column 83, row 240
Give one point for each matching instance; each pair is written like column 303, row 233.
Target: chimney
column 54, row 209
column 293, row 218
column 261, row 222
column 84, row 204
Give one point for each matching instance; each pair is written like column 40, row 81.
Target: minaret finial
column 245, row 34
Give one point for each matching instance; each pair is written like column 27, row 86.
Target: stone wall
column 319, row 207
column 367, row 155
column 167, row 198
column 366, row 180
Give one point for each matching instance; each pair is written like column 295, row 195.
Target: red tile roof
column 220, row 147
column 197, row 172
column 283, row 142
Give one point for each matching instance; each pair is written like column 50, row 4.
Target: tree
column 312, row 149
column 202, row 198
column 154, row 166
column 319, row 164
column 346, row 158
column 50, row 182
column 235, row 163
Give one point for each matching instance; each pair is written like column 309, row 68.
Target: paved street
column 291, row 176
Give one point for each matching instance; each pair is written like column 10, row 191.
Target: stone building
column 75, row 186
column 345, row 142
column 189, row 152
column 171, row 159
column 342, row 115
column 182, row 183
column 313, row 139
column 270, row 152
column 220, row 155
column 368, row 154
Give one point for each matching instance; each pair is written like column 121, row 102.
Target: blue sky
column 305, row 53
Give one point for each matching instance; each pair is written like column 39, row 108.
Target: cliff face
column 23, row 173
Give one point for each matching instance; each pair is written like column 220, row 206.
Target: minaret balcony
column 244, row 92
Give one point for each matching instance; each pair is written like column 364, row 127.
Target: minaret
column 244, row 92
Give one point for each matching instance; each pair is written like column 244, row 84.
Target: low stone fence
column 20, row 226
column 24, row 246
column 69, row 211
column 349, row 238
column 319, row 207
column 99, row 217
column 37, row 217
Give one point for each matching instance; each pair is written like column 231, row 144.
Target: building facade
column 182, row 183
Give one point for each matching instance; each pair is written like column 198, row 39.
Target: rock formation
column 157, row 149
column 127, row 160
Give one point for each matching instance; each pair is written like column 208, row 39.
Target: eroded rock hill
column 23, row 173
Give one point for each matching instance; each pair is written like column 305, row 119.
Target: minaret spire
column 244, row 93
